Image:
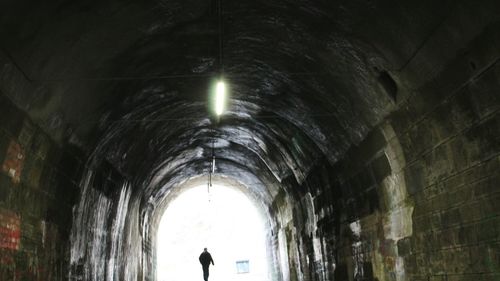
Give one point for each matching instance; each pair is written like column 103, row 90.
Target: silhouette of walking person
column 205, row 260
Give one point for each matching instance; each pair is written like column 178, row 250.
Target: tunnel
column 364, row 134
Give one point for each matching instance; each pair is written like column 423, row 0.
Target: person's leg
column 205, row 273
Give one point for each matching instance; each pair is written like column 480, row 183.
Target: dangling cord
column 221, row 36
column 213, row 156
column 212, row 169
column 209, row 180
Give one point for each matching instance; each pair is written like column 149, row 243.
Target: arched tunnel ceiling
column 132, row 78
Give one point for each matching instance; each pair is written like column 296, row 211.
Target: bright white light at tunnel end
column 230, row 225
column 220, row 97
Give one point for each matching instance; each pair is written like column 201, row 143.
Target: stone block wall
column 452, row 174
column 374, row 211
column 449, row 131
column 419, row 198
column 38, row 187
column 420, row 195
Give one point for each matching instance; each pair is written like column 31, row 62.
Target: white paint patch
column 357, row 255
column 311, row 222
column 398, row 223
column 43, row 227
column 400, row 269
column 286, row 212
column 355, row 228
column 357, row 251
column 283, row 250
column 398, row 219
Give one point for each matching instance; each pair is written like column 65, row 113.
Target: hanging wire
column 213, row 156
column 221, row 72
column 212, row 169
column 221, row 36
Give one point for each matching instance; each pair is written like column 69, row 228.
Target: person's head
column 204, row 249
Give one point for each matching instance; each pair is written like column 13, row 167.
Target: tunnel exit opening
column 225, row 221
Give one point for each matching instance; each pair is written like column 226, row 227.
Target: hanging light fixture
column 220, row 97
column 220, row 92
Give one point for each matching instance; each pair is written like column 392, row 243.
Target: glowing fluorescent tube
column 220, row 98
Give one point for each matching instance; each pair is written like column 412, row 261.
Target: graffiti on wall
column 10, row 230
column 14, row 161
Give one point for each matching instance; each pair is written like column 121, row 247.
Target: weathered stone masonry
column 38, row 187
column 368, row 131
column 419, row 198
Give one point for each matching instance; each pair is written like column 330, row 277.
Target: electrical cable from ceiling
column 220, row 92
